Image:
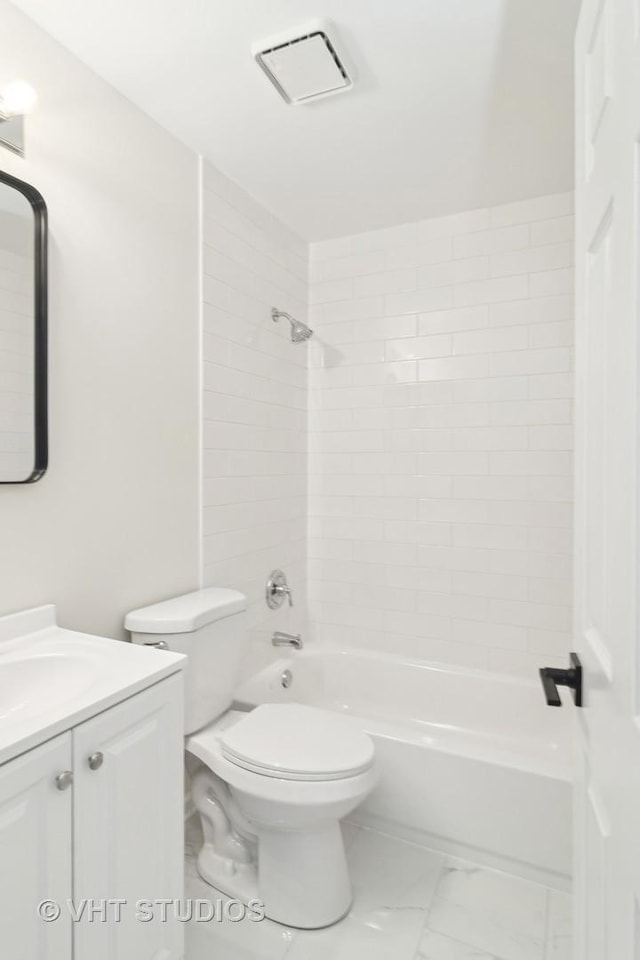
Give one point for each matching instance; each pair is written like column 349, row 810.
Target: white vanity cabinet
column 96, row 814
column 128, row 824
column 35, row 852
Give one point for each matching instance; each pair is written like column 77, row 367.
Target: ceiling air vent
column 305, row 65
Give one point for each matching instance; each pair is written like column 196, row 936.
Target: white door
column 35, row 852
column 129, row 826
column 607, row 840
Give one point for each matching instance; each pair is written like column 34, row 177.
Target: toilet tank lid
column 186, row 613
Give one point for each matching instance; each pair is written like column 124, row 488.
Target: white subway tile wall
column 440, row 437
column 254, row 407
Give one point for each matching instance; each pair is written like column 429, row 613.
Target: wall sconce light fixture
column 16, row 100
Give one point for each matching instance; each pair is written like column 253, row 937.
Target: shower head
column 299, row 330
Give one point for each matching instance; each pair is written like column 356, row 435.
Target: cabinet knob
column 95, row 760
column 64, row 780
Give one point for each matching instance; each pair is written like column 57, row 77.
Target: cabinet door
column 35, row 852
column 128, row 820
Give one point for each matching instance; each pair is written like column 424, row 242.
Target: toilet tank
column 209, row 626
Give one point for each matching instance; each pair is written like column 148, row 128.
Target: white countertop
column 52, row 679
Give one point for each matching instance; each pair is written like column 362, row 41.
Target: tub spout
column 280, row 639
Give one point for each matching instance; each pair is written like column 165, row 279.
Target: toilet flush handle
column 157, row 644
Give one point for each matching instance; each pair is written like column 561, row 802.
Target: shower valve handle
column 285, row 591
column 277, row 589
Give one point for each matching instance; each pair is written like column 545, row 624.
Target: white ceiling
column 457, row 103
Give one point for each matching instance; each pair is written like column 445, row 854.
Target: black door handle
column 553, row 677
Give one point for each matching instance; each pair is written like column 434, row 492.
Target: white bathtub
column 470, row 762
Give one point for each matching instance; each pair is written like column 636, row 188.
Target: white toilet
column 272, row 784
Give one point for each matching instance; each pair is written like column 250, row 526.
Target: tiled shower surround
column 440, row 437
column 254, row 406
column 437, row 443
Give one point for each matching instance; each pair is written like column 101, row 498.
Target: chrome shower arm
column 276, row 314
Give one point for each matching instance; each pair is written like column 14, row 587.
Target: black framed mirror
column 23, row 332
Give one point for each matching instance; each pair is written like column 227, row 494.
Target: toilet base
column 301, row 878
column 236, row 880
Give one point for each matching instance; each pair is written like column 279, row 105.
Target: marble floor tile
column 409, row 904
column 200, row 944
column 435, row 946
column 492, row 911
column 384, row 935
column 390, row 874
column 559, row 930
column 225, row 940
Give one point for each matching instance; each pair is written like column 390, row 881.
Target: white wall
column 255, row 402
column 114, row 523
column 440, row 437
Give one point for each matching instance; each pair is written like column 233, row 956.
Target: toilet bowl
column 282, row 776
column 270, row 785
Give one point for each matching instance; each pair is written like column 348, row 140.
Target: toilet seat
column 295, row 742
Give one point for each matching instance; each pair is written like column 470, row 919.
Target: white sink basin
column 30, row 686
column 52, row 679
